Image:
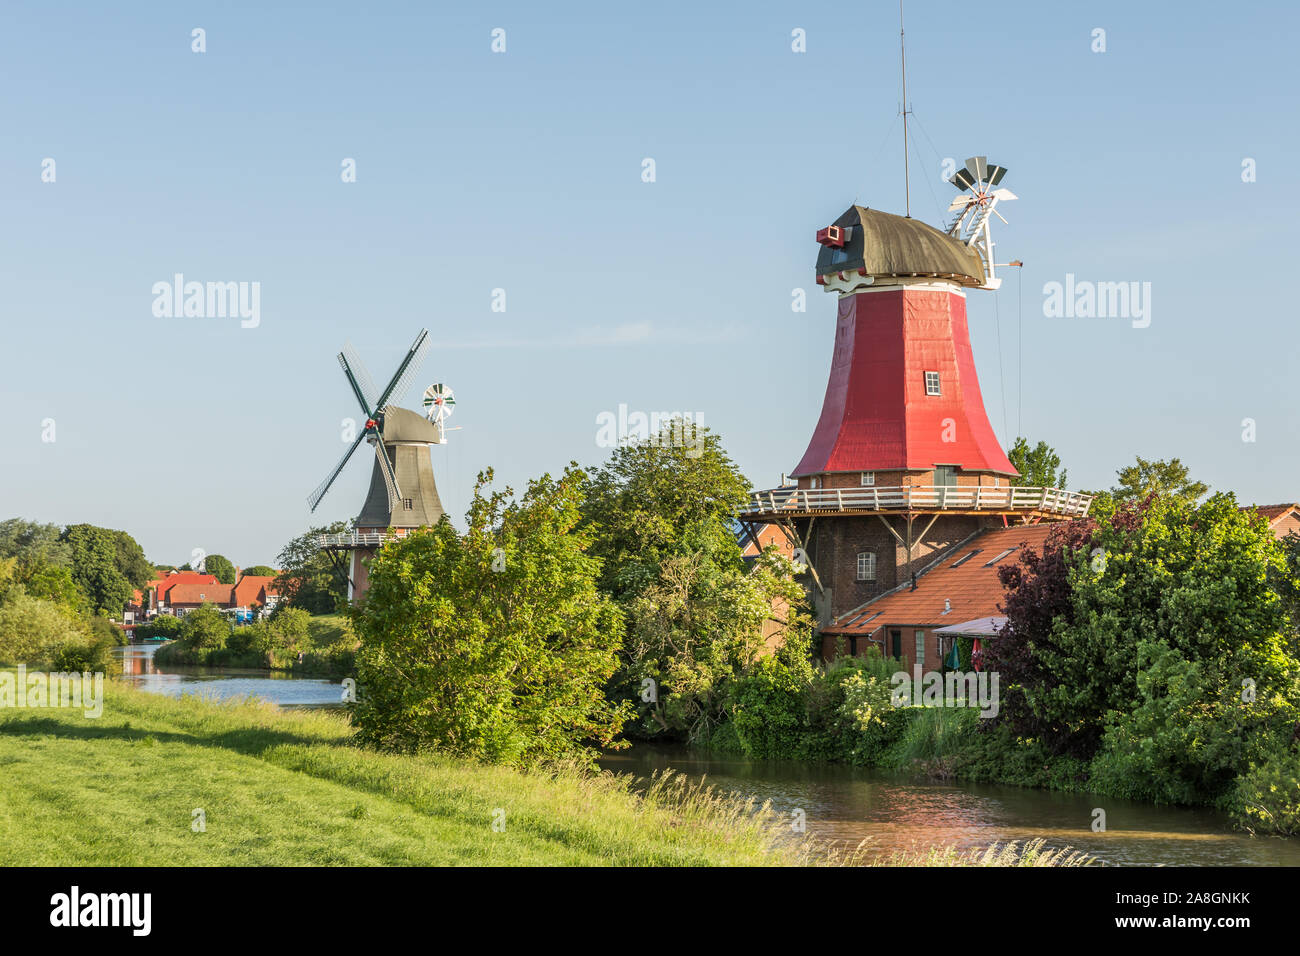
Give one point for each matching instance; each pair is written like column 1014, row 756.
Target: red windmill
column 903, row 464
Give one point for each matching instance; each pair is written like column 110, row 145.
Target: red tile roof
column 968, row 583
column 1273, row 512
column 165, row 581
column 198, row 593
column 253, row 589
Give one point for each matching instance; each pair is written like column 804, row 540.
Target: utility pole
column 907, row 179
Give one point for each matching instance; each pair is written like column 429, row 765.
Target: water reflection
column 138, row 668
column 847, row 804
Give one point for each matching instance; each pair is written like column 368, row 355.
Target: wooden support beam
column 885, row 522
column 792, row 533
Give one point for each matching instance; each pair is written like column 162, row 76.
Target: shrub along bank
column 291, row 639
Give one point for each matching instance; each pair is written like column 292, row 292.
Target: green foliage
column 164, row 626
column 33, row 631
column 1137, row 482
column 308, row 579
column 261, row 571
column 697, row 615
column 33, row 543
column 494, row 644
column 106, row 565
column 204, row 628
column 766, row 709
column 220, row 567
column 95, row 656
column 1196, row 579
column 656, row 499
column 1267, row 795
column 1039, row 467
column 53, row 582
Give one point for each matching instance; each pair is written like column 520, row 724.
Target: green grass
column 326, row 629
column 289, row 788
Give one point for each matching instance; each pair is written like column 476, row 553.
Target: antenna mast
column 902, row 51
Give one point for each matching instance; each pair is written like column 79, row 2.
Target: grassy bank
column 288, row 788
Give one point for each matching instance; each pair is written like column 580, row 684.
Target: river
column 848, row 804
column 222, row 683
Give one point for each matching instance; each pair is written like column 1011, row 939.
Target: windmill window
column 408, row 504
column 868, row 478
column 867, row 566
column 932, row 383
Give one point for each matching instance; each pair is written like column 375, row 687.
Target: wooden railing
column 917, row 498
column 356, row 539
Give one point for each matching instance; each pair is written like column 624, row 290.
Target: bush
column 164, row 626
column 204, row 628
column 494, row 644
column 95, row 656
column 766, row 709
column 32, row 630
column 1267, row 796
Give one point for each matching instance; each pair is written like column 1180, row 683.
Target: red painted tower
column 903, row 465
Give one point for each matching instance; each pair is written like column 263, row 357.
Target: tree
column 107, row 565
column 494, row 644
column 1144, row 478
column 220, row 567
column 309, row 579
column 1155, row 641
column 662, row 516
column 33, row 631
column 53, row 582
column 660, row 497
column 204, row 628
column 260, row 571
column 31, row 542
column 1038, row 466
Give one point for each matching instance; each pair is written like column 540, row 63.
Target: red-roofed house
column 184, row 597
column 1283, row 519
column 152, row 598
column 963, row 586
column 255, row 591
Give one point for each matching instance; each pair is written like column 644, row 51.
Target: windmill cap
column 885, row 246
column 402, row 424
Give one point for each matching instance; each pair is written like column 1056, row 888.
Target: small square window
column 867, row 566
column 868, row 478
column 932, row 383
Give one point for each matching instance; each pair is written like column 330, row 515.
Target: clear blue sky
column 522, row 171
